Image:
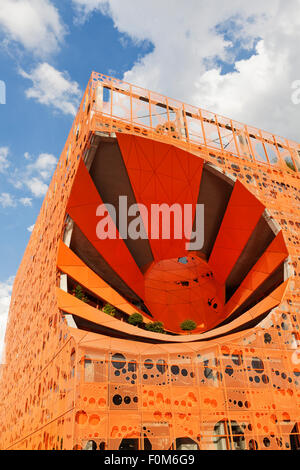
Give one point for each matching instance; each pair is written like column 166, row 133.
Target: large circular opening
column 183, row 289
column 238, row 275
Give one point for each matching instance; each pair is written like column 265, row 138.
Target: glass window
column 229, row 436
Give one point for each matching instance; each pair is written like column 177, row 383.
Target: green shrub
column 109, row 310
column 135, row 319
column 290, row 164
column 188, row 325
column 156, row 326
column 79, row 294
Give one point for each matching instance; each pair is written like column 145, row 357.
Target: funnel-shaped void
column 240, row 262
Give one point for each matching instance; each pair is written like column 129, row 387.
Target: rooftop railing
column 115, row 105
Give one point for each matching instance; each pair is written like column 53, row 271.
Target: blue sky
column 27, row 126
column 236, row 59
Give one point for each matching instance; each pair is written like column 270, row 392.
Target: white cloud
column 7, row 200
column 5, row 293
column 27, row 156
column 39, row 172
column 44, row 165
column 26, row 201
column 34, row 176
column 4, row 163
column 35, row 24
column 53, row 88
column 36, row 186
column 30, row 228
column 85, row 7
column 192, row 39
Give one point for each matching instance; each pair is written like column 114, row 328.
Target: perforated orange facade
column 77, row 378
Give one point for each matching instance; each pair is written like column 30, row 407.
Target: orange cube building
column 78, row 373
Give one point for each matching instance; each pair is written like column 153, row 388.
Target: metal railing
column 117, row 106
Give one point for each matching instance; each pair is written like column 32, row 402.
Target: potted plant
column 135, row 319
column 109, row 310
column 188, row 325
column 156, row 327
column 79, row 294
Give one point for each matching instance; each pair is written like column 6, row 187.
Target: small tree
column 156, row 327
column 109, row 310
column 79, row 294
column 135, row 319
column 290, row 164
column 188, row 325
